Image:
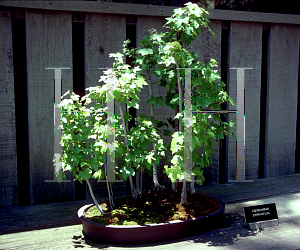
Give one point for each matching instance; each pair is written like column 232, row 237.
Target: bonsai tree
column 85, row 130
column 166, row 53
column 140, row 148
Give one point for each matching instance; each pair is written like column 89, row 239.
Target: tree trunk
column 176, row 129
column 110, row 195
column 174, row 187
column 137, row 182
column 133, row 191
column 155, row 171
column 183, row 193
column 193, row 190
column 141, row 180
column 180, row 93
column 93, row 197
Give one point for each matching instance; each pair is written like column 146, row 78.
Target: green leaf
column 179, row 11
column 217, row 117
column 144, row 144
column 231, row 124
column 175, row 100
column 145, row 40
column 143, row 116
column 178, row 116
column 151, row 100
column 127, row 116
column 83, row 175
column 127, row 172
column 219, row 136
column 159, row 101
column 149, row 158
column 133, row 103
column 97, row 175
column 233, row 134
column 177, row 142
column 231, row 101
column 145, row 51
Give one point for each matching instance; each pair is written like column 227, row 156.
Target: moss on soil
column 153, row 207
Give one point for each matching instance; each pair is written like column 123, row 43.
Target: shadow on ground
column 230, row 232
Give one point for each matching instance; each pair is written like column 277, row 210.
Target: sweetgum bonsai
column 140, row 148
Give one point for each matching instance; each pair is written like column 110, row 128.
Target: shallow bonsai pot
column 152, row 232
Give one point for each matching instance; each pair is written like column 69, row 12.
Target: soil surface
column 153, row 207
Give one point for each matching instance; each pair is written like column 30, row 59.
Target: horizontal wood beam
column 149, row 10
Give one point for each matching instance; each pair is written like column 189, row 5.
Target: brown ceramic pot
column 152, row 232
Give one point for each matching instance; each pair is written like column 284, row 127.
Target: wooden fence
column 81, row 34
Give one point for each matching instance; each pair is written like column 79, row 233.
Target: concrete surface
column 56, row 226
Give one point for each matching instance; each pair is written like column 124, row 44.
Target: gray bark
column 93, row 197
column 133, row 191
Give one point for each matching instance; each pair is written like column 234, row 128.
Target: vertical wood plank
column 144, row 24
column 281, row 117
column 207, row 47
column 246, row 51
column 49, row 44
column 8, row 153
column 104, row 34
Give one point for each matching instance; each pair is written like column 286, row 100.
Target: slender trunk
column 93, row 197
column 174, row 187
column 133, row 191
column 110, row 196
column 176, row 112
column 155, row 179
column 155, row 171
column 183, row 193
column 179, row 92
column 193, row 190
column 141, row 181
column 127, row 122
column 176, row 129
column 137, row 182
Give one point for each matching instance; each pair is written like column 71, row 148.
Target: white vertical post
column 187, row 126
column 57, row 131
column 240, row 134
column 110, row 95
column 240, row 125
column 110, row 128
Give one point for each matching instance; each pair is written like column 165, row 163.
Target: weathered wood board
column 283, row 70
column 104, row 34
column 49, row 44
column 149, row 10
column 246, row 52
column 8, row 150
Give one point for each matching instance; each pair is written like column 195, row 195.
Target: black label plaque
column 260, row 213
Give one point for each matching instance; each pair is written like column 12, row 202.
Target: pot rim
column 83, row 209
